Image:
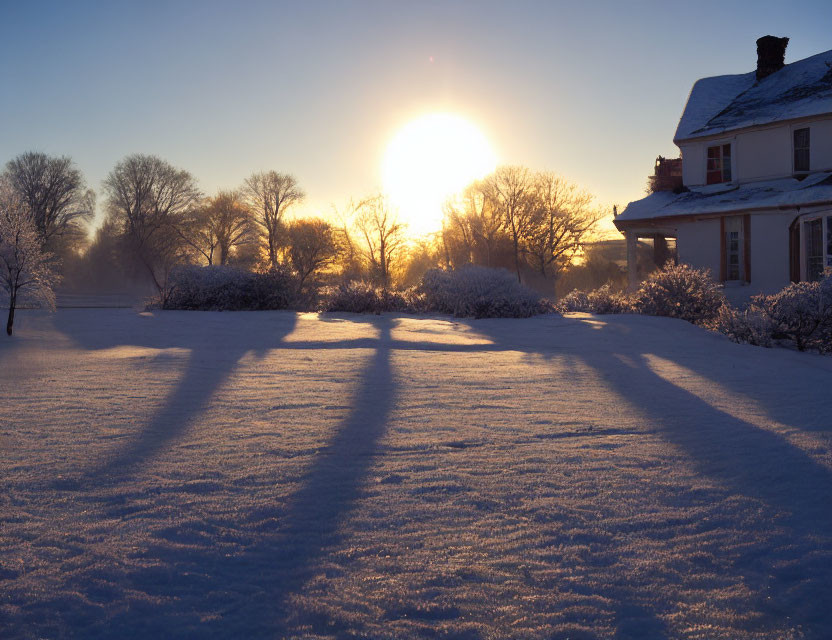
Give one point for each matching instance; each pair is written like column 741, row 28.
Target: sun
column 430, row 159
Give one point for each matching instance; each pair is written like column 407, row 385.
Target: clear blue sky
column 591, row 90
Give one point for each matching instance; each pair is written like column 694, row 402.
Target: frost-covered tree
column 55, row 193
column 270, row 195
column 147, row 199
column 25, row 268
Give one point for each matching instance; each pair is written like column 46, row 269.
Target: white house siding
column 693, row 163
column 770, row 251
column 764, row 155
column 698, row 243
column 820, row 145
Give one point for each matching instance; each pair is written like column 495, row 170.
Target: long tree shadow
column 333, row 484
column 751, row 369
column 251, row 590
column 740, row 456
column 213, row 355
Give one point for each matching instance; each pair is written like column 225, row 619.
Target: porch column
column 660, row 251
column 632, row 260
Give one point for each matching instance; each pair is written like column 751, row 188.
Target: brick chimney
column 771, row 55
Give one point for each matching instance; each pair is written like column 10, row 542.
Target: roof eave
column 663, row 220
column 727, row 133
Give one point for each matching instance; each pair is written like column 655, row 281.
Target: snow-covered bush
column 800, row 313
column 223, row 288
column 601, row 301
column 680, row 291
column 747, row 326
column 363, row 297
column 479, row 292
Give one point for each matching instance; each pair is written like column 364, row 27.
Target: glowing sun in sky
column 430, row 159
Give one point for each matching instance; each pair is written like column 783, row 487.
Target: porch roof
column 725, row 198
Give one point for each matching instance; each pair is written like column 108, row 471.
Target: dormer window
column 719, row 164
column 801, row 150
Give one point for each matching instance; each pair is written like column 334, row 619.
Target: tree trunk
column 10, row 323
column 517, row 261
column 272, row 251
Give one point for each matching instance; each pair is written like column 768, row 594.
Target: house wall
column 820, row 145
column 762, row 154
column 698, row 243
column 770, row 251
column 693, row 164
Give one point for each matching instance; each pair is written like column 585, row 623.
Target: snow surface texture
column 241, row 475
column 726, row 103
column 770, row 194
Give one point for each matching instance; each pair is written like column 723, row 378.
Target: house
column 755, row 201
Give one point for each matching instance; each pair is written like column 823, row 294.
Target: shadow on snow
column 281, row 561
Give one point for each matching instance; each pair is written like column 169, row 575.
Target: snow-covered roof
column 725, row 103
column 723, row 198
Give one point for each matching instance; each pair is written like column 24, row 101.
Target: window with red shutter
column 719, row 164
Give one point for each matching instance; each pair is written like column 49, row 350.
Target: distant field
column 271, row 474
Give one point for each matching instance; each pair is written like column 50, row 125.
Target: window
column 815, row 249
column 801, row 149
column 733, row 248
column 719, row 164
column 813, row 233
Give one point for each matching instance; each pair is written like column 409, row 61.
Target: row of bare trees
column 157, row 218
column 164, row 220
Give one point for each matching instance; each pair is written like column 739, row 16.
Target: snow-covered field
column 253, row 475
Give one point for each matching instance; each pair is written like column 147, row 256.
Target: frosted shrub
column 363, row 297
column 801, row 313
column 601, row 301
column 574, row 301
column 749, row 326
column 680, row 291
column 222, row 288
column 479, row 292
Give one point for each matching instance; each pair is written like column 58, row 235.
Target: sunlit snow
column 240, row 475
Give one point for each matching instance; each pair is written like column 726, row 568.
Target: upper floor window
column 801, row 149
column 719, row 164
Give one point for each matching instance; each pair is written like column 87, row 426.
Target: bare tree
column 486, row 220
column 383, row 236
column 25, row 268
column 456, row 235
column 349, row 255
column 55, row 193
column 475, row 222
column 561, row 221
column 509, row 189
column 269, row 196
column 312, row 246
column 216, row 227
column 147, row 198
